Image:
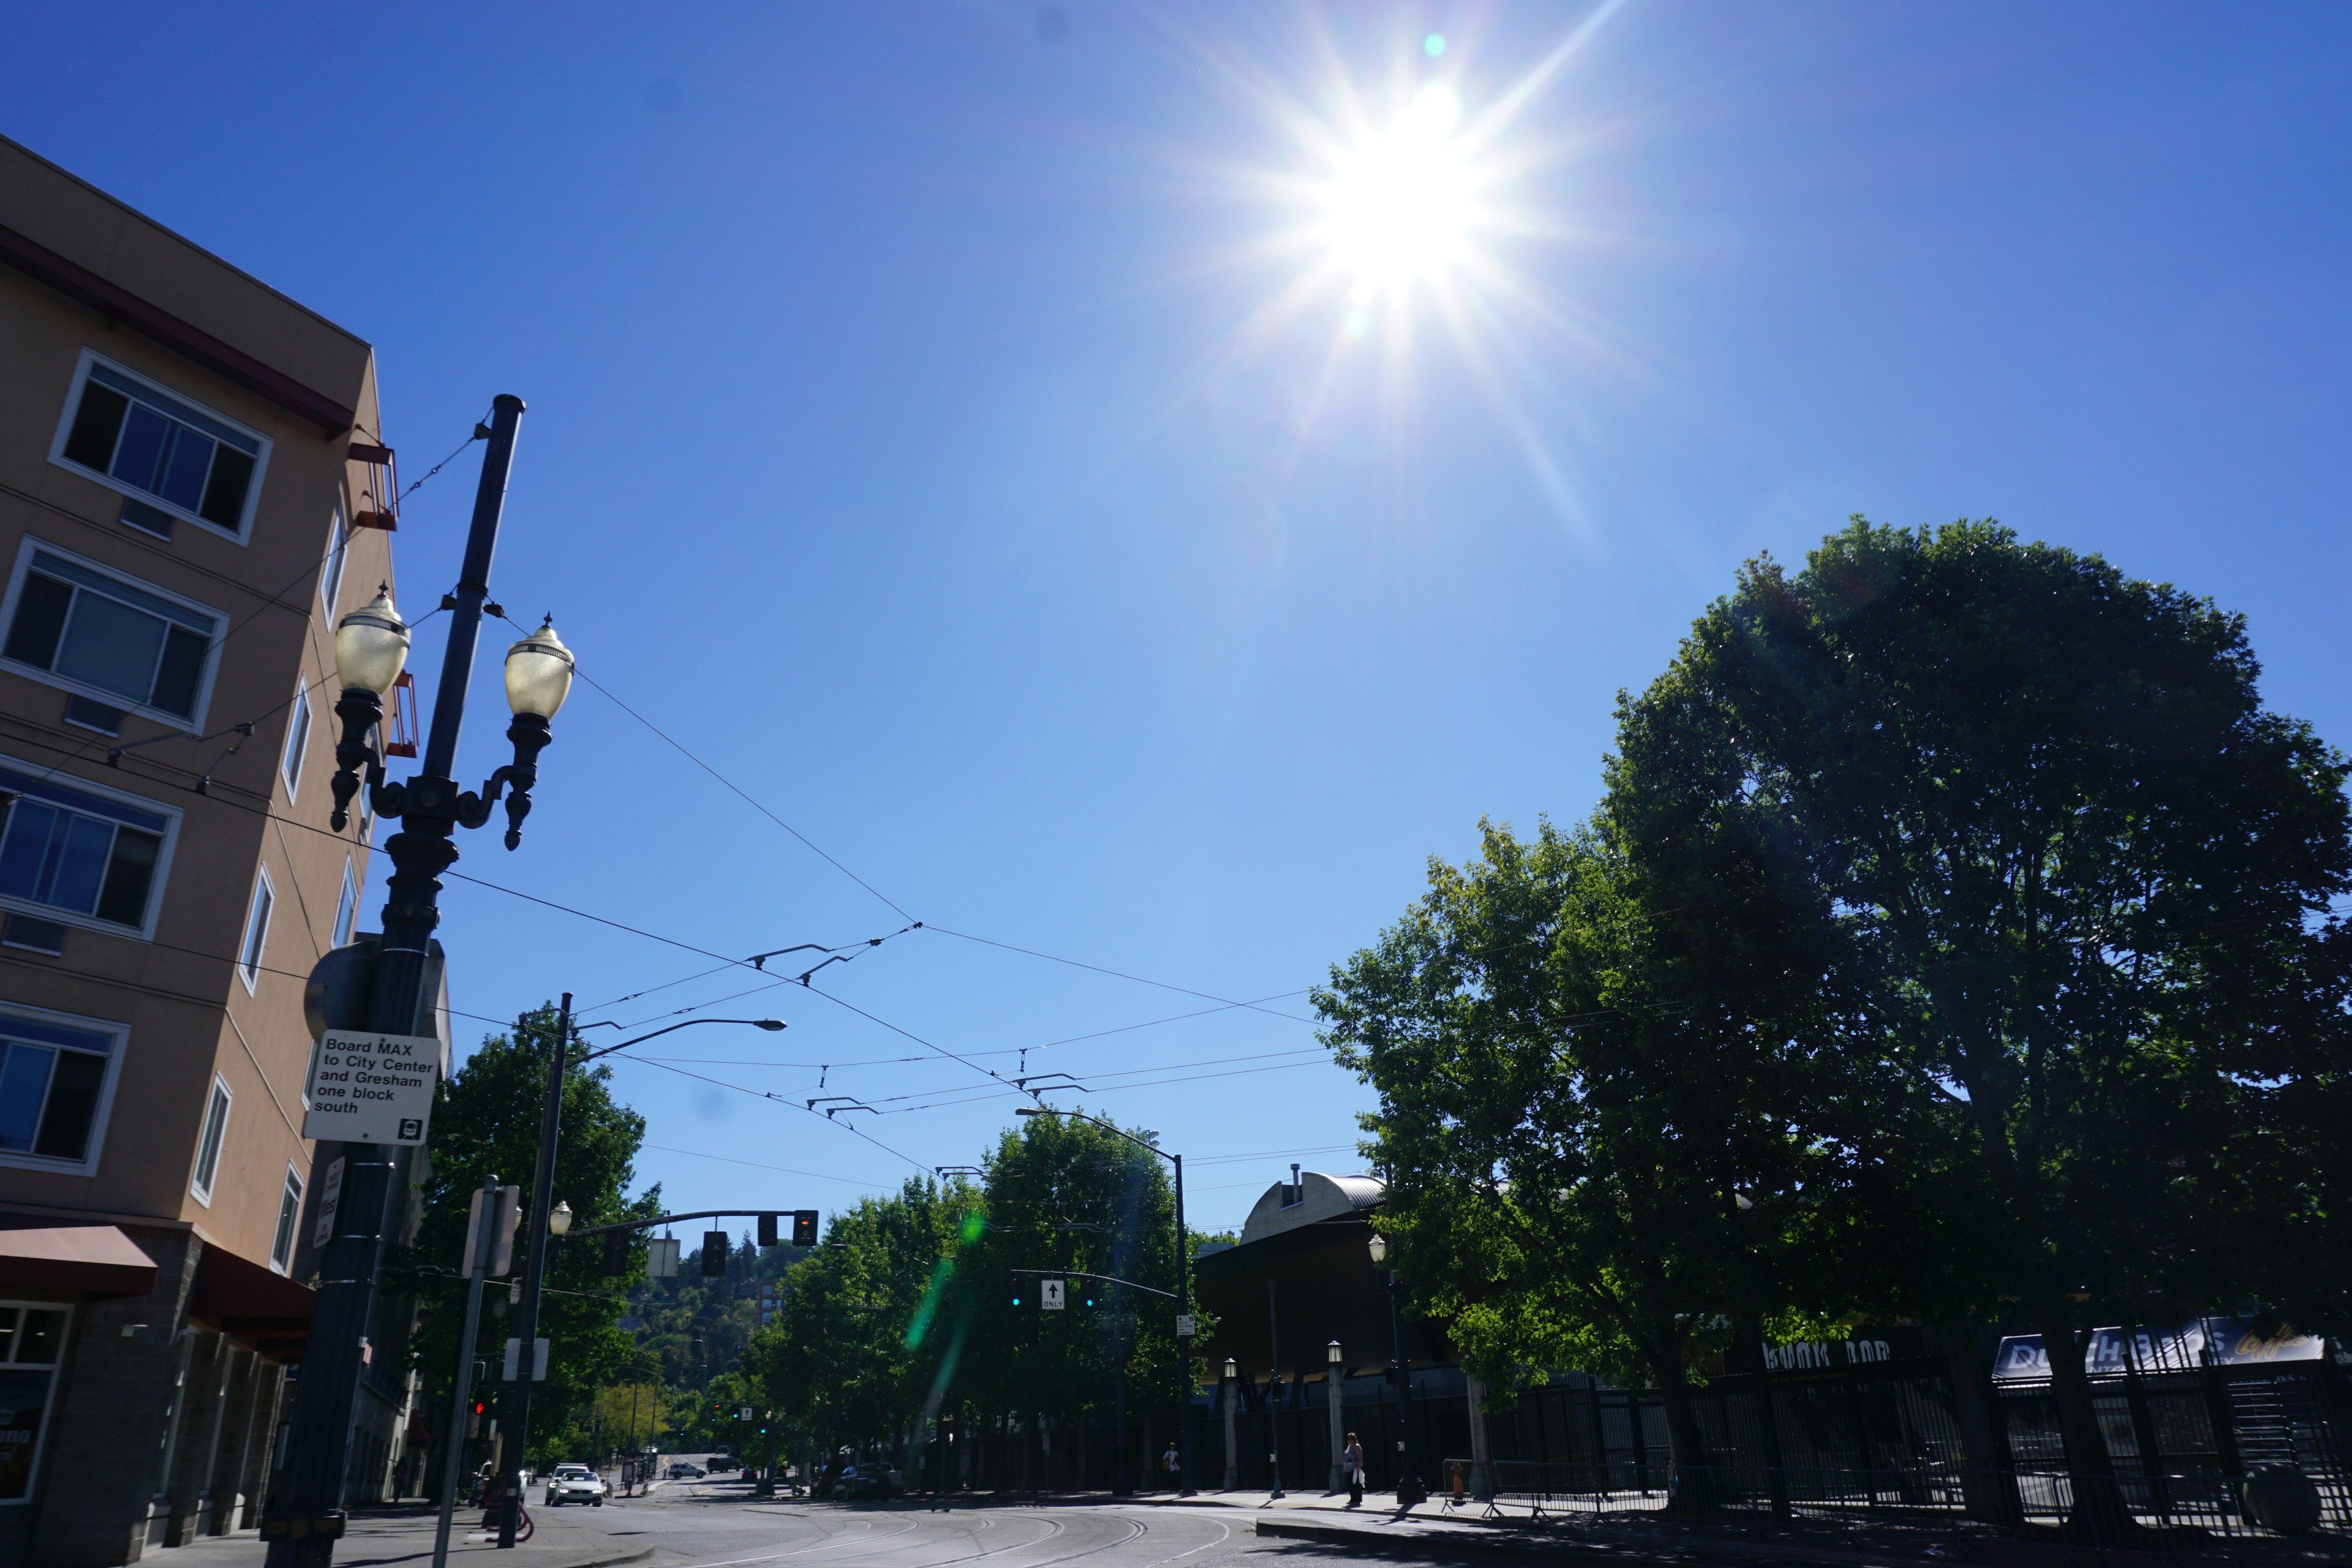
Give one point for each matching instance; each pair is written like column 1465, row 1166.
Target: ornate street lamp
column 1409, row 1490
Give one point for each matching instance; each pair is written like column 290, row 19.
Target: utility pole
column 542, row 1182
column 305, row 1521
column 478, row 1262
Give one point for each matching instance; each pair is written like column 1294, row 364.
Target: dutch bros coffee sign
column 369, row 1087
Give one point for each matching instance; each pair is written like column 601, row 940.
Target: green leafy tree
column 2076, row 884
column 487, row 1123
column 1589, row 1129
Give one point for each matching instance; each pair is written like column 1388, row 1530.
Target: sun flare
column 1399, row 204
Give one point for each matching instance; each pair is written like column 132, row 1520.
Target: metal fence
column 2178, row 1509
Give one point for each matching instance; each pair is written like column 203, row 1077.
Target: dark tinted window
column 73, row 1105
column 96, row 424
column 225, row 493
column 40, row 620
column 179, row 672
column 128, row 877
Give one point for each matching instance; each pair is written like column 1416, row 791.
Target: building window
column 330, row 576
column 256, row 931
column 55, row 1073
column 69, row 848
column 32, row 1342
column 347, row 908
column 297, row 738
column 208, row 1149
column 78, row 626
column 131, row 436
column 289, row 1214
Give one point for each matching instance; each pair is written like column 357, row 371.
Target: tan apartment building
column 178, row 494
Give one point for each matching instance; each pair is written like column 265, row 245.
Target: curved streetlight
column 1409, row 1490
column 543, row 1221
column 1184, row 1265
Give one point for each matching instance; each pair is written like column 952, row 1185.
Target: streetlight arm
column 1106, row 1126
column 772, row 1025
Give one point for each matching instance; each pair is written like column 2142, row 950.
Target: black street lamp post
column 1183, row 1267
column 1408, row 1491
column 371, row 644
column 546, row 1220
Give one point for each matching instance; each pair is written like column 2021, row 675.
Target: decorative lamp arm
column 532, row 735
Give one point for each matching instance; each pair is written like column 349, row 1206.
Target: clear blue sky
column 942, row 423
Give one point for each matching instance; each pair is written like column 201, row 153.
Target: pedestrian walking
column 1171, row 1461
column 1351, row 1459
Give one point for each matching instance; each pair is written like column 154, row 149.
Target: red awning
column 91, row 1262
column 251, row 1303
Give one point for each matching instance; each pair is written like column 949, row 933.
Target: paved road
column 716, row 1525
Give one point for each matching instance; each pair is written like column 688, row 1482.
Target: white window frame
column 121, row 1036
column 193, row 722
column 146, row 930
column 49, row 1401
column 168, row 394
column 212, row 1142
column 297, row 738
column 289, row 1231
column 253, row 941
column 339, row 557
column 347, row 908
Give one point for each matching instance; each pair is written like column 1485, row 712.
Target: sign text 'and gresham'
column 370, row 1088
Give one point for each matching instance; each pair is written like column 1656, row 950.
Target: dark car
column 874, row 1483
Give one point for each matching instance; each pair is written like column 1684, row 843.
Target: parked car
column 874, row 1482
column 724, row 1462
column 686, row 1471
column 575, row 1483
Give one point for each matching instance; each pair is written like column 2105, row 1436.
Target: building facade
column 180, row 502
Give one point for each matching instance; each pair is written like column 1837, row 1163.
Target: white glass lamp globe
column 372, row 645
column 539, row 673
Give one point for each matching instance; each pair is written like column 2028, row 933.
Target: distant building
column 178, row 494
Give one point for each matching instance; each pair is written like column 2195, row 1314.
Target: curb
column 1418, row 1544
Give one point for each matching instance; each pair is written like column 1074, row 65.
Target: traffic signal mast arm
column 1104, row 1278
column 698, row 1214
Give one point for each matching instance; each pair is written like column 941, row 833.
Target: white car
column 575, row 1483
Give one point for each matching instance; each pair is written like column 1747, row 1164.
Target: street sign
column 538, row 1360
column 331, row 1198
column 506, row 1214
column 1051, row 1293
column 1186, row 1326
column 661, row 1258
column 370, row 1088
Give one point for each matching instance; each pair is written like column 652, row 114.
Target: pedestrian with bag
column 1351, row 1459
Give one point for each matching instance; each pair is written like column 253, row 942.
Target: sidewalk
column 381, row 1537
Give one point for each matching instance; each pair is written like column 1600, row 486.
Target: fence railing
column 2178, row 1510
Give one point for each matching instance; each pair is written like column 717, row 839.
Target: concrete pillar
column 260, row 1442
column 195, row 1428
column 1233, row 1450
column 1333, row 1378
column 226, row 1468
column 1482, row 1478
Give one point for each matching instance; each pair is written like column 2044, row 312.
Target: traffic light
column 715, row 1248
column 1016, row 1297
column 804, row 1227
column 767, row 1231
column 616, row 1251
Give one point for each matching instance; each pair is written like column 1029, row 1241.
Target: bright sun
column 1399, row 203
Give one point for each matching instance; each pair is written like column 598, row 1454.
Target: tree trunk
column 1988, row 1484
column 2098, row 1507
column 1695, row 1487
